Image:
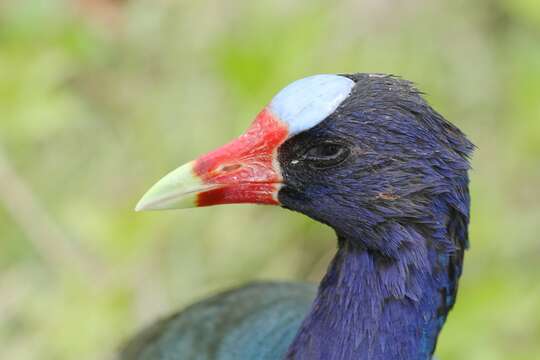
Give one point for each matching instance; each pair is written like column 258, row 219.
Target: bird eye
column 326, row 155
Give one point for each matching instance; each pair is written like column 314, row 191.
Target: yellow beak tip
column 146, row 203
column 176, row 190
column 140, row 207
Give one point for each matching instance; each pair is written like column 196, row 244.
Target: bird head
column 350, row 151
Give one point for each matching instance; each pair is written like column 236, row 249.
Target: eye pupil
column 325, row 155
column 329, row 150
column 324, row 151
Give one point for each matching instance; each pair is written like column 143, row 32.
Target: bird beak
column 245, row 170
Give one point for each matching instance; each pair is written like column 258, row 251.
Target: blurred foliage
column 98, row 99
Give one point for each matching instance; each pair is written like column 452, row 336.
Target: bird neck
column 375, row 306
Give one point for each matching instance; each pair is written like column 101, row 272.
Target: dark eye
column 326, row 155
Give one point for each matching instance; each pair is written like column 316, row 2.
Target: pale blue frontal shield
column 306, row 102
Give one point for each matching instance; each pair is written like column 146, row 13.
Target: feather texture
column 256, row 322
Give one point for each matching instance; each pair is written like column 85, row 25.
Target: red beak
column 245, row 170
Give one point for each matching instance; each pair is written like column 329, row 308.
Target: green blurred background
column 100, row 98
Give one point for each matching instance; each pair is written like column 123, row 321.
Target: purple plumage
column 390, row 176
column 400, row 209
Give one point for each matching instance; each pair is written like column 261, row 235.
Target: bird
column 366, row 155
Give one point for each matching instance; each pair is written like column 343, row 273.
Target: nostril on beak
column 228, row 168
